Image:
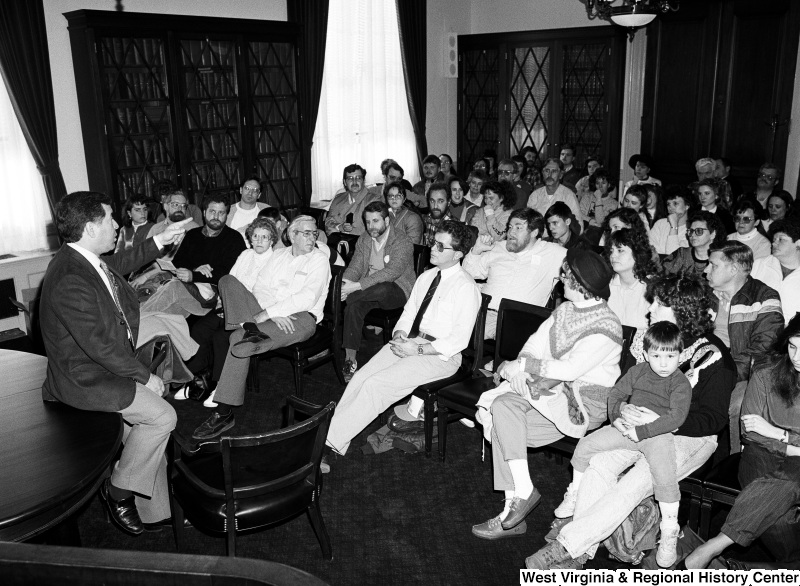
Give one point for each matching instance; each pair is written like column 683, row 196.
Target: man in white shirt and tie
column 435, row 327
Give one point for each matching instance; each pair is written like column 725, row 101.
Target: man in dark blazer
column 90, row 323
column 380, row 275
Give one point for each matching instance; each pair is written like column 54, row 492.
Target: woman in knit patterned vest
column 578, row 347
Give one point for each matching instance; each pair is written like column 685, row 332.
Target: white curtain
column 23, row 222
column 363, row 114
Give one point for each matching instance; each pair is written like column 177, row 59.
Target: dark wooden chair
column 323, row 347
column 516, row 321
column 387, row 318
column 720, row 487
column 22, row 564
column 230, row 485
column 471, row 359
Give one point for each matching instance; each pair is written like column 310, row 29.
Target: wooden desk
column 53, row 457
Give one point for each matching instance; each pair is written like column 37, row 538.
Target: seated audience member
column 579, row 344
column 553, row 191
column 447, row 167
column 706, row 191
column 767, row 182
column 636, row 199
column 532, row 174
column 483, row 164
column 207, row 254
column 523, row 268
column 379, row 276
column 631, row 258
column 507, row 173
column 706, row 168
column 705, row 230
column 779, row 205
column 283, row 308
column 748, row 318
column 438, row 202
column 769, row 470
column 602, row 201
column 401, row 217
column 616, row 482
column 723, row 171
column 779, row 270
column 135, row 225
column 641, row 165
column 344, row 215
column 518, row 180
column 583, row 188
column 426, row 345
column 498, row 203
column 90, row 323
column 431, row 173
column 571, row 174
column 656, row 384
column 280, row 222
column 247, row 208
column 175, row 206
column 460, row 208
column 209, row 330
column 559, row 226
column 164, row 189
column 475, row 181
column 669, row 234
column 656, row 208
column 746, row 215
column 619, row 219
column 392, row 173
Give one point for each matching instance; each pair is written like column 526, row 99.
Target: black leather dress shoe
column 200, row 387
column 520, row 508
column 214, row 425
column 250, row 345
column 123, row 512
column 163, row 524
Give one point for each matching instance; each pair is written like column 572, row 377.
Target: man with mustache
column 523, row 267
column 379, row 276
column 438, row 201
column 553, row 191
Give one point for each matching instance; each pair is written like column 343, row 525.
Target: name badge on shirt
column 386, row 259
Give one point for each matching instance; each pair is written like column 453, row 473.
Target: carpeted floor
column 393, row 518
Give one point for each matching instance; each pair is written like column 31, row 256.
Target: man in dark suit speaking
column 90, row 323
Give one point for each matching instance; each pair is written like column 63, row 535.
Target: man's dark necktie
column 115, row 290
column 424, row 305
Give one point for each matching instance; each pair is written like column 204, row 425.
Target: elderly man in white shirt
column 284, row 308
column 435, row 327
column 523, row 267
column 553, row 191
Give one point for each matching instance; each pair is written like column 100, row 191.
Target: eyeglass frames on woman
column 696, row 231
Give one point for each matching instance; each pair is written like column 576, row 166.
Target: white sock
column 576, row 479
column 669, row 513
column 523, row 485
column 507, row 504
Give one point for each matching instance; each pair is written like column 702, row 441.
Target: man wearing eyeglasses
column 767, row 182
column 243, row 212
column 507, row 171
column 435, row 327
column 176, row 206
column 284, row 308
column 523, row 267
column 746, row 216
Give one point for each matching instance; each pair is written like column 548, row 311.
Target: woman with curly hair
column 769, row 470
column 705, row 229
column 631, row 257
column 622, row 218
column 498, row 203
column 616, row 482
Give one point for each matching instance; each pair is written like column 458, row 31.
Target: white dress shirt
column 526, row 276
column 450, row 317
column 290, row 284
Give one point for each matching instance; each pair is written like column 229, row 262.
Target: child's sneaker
column 667, row 553
column 567, row 506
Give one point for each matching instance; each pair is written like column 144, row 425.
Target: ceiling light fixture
column 632, row 14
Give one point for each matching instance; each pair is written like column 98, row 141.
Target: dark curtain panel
column 25, row 66
column 312, row 16
column 413, row 33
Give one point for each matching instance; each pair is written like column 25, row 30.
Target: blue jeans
column 767, row 507
column 604, row 500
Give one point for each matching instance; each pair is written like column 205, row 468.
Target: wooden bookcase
column 203, row 102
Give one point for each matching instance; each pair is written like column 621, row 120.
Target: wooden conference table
column 52, row 457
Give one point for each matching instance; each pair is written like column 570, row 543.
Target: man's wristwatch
column 420, row 350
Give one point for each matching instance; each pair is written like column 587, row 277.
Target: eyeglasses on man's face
column 696, row 231
column 767, row 176
column 505, row 172
column 251, row 189
column 178, row 206
column 307, row 233
column 440, row 247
